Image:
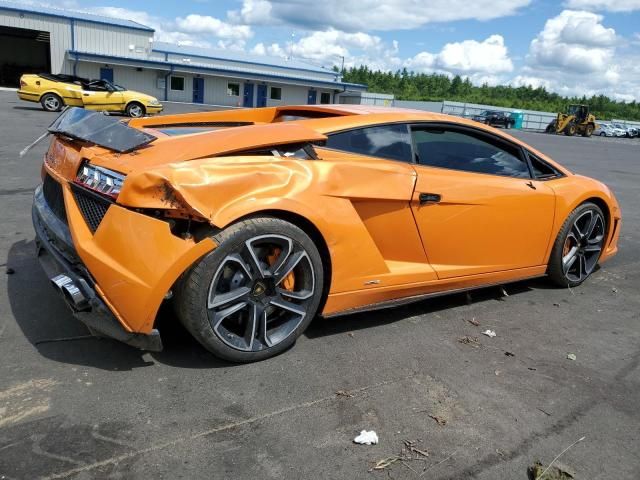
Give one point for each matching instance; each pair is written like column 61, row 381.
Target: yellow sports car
column 55, row 91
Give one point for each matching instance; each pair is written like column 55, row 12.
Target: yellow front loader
column 577, row 120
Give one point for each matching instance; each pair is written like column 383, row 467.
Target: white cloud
column 530, row 81
column 206, row 24
column 362, row 15
column 469, row 57
column 604, row 5
column 574, row 40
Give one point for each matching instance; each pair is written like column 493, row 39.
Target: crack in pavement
column 229, row 426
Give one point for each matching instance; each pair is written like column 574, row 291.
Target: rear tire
column 254, row 295
column 588, row 131
column 135, row 110
column 578, row 246
column 51, row 102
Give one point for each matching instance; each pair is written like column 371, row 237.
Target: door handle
column 429, row 198
column 531, row 185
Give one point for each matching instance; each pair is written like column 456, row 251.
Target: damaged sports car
column 252, row 222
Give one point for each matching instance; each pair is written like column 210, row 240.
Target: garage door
column 23, row 51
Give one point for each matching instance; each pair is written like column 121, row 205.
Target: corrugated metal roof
column 240, row 57
column 227, row 71
column 77, row 15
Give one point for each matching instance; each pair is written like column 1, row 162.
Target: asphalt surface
column 89, row 408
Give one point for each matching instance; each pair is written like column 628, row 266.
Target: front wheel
column 135, row 110
column 255, row 294
column 578, row 246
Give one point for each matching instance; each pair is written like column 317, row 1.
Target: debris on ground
column 544, row 411
column 350, row 334
column 10, row 271
column 504, row 292
column 410, row 452
column 497, row 373
column 489, row 333
column 571, row 356
column 474, row 322
column 467, row 340
column 510, row 354
column 556, row 304
column 439, row 420
column 614, row 289
column 366, row 437
column 499, row 452
column 557, row 472
column 344, row 393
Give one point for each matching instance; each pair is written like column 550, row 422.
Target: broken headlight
column 100, row 179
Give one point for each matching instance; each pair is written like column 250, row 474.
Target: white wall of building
column 112, row 40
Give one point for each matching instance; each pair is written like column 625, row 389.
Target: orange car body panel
column 383, row 244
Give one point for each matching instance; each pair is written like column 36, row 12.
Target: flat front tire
column 578, row 246
column 256, row 293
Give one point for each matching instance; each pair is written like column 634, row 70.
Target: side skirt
column 397, row 302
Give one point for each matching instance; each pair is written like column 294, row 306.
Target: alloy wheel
column 52, row 103
column 583, row 245
column 135, row 111
column 260, row 293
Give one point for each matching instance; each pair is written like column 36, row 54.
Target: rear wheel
column 255, row 294
column 588, row 131
column 51, row 102
column 578, row 246
column 135, row 110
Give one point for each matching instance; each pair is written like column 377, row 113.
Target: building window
column 276, row 93
column 325, row 97
column 233, row 89
column 177, row 83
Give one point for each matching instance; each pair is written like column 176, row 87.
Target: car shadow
column 47, row 322
column 38, row 108
column 341, row 324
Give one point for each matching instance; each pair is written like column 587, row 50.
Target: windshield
column 99, row 129
column 116, row 87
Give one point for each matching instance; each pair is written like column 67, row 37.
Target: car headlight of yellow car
column 154, row 101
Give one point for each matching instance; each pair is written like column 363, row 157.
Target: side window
column 386, row 141
column 464, row 151
column 542, row 170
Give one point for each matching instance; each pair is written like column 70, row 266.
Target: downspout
column 72, row 25
column 166, row 84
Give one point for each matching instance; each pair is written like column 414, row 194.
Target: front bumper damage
column 62, row 265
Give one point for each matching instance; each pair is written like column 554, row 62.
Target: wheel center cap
column 258, row 289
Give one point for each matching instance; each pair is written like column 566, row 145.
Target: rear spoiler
column 99, row 129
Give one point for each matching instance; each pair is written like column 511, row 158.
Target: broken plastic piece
column 571, row 356
column 489, row 333
column 367, row 437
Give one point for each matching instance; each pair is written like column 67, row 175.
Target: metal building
column 37, row 39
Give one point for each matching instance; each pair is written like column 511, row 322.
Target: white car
column 608, row 130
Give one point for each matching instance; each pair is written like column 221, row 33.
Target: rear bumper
column 59, row 260
column 29, row 97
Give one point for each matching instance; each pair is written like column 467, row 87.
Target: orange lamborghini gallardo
column 251, row 222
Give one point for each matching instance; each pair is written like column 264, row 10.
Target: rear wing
column 99, row 129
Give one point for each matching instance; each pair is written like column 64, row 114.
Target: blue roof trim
column 236, row 73
column 246, row 62
column 83, row 17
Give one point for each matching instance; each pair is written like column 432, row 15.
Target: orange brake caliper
column 289, row 281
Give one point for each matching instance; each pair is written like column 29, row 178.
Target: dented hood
column 227, row 141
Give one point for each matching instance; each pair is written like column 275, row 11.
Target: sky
column 573, row 47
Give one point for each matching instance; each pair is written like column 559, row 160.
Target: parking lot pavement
column 89, row 408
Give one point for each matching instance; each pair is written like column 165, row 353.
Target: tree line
column 406, row 85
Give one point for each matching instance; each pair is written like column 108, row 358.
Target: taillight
column 100, row 179
column 22, row 83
